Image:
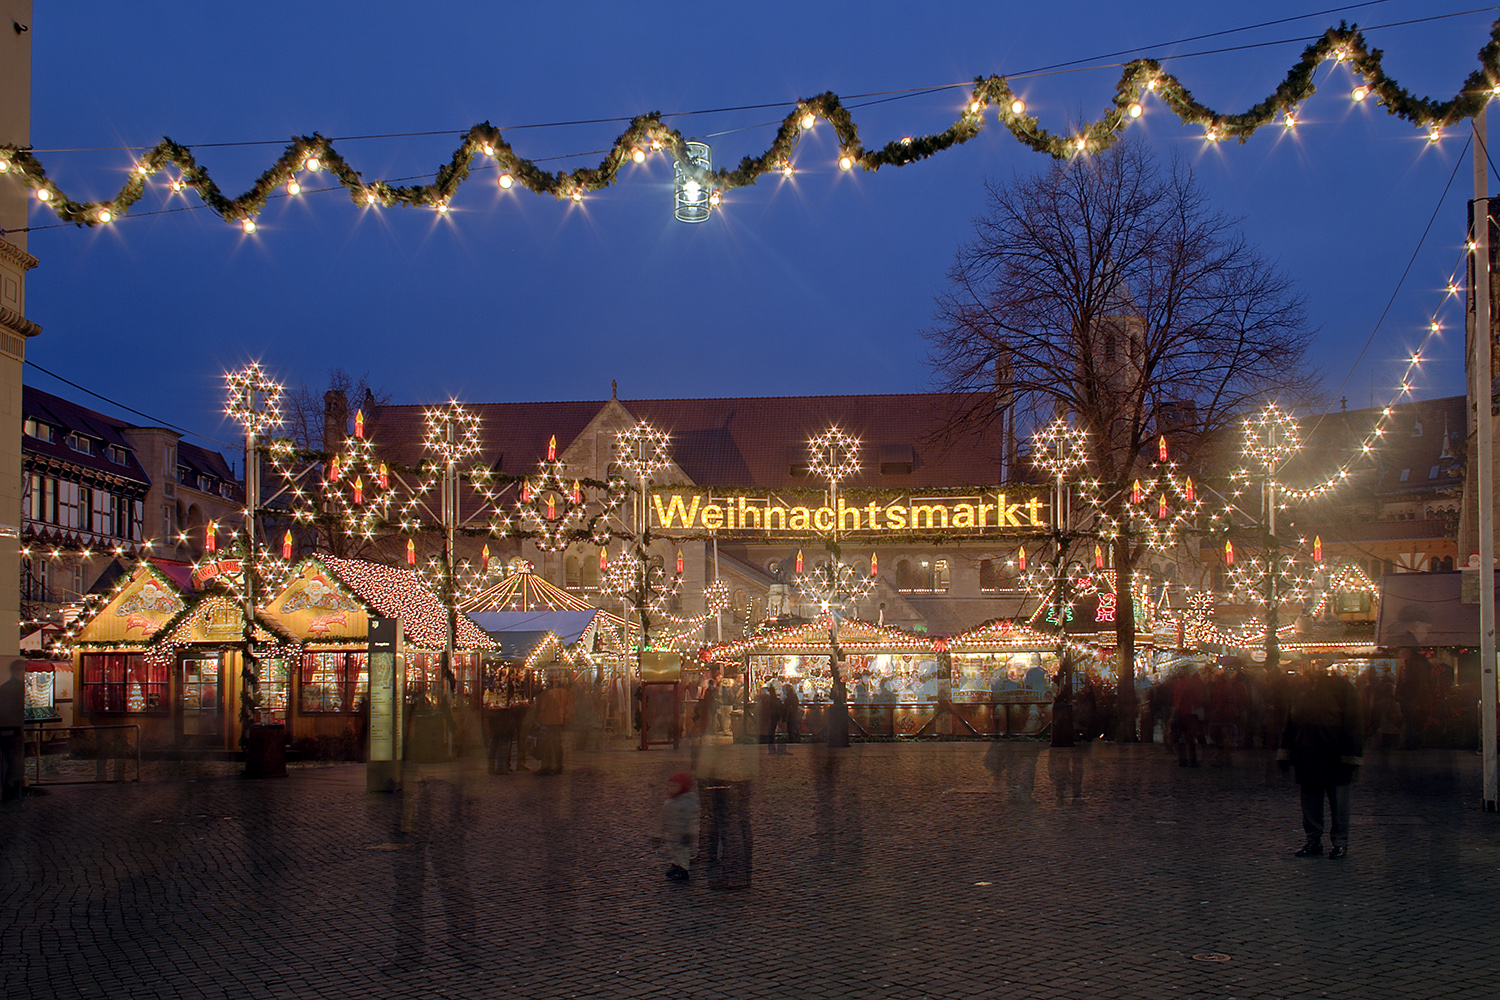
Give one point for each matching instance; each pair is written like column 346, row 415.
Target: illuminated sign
column 1015, row 510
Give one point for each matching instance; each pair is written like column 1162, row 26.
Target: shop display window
column 275, row 679
column 334, row 682
column 123, row 682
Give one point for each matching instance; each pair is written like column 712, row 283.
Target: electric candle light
column 638, row 155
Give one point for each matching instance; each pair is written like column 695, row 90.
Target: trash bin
column 265, row 751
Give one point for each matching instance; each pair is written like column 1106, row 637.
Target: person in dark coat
column 791, row 709
column 1322, row 743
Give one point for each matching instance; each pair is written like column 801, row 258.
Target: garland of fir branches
column 1139, row 79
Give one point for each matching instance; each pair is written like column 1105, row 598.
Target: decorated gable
column 315, row 607
column 135, row 613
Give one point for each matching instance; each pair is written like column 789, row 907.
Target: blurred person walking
column 13, row 733
column 1321, row 742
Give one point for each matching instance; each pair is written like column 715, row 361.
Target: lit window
column 123, row 683
column 333, row 682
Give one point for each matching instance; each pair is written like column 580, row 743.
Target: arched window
column 940, row 578
column 590, row 573
column 989, row 580
column 572, row 573
column 905, row 579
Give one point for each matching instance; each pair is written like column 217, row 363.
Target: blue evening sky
column 820, row 284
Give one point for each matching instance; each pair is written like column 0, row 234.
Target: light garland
column 254, row 399
column 1141, row 81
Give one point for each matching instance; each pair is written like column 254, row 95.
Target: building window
column 1405, row 475
column 123, row 682
column 333, row 682
column 929, row 576
column 80, row 444
column 572, row 573
column 989, row 579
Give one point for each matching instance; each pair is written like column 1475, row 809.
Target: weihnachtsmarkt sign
column 994, row 513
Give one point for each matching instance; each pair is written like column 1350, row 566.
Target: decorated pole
column 1484, row 421
column 255, row 403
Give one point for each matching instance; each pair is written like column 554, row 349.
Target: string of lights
column 1142, row 82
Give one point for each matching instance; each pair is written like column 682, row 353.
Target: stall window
column 334, row 682
column 424, row 670
column 123, row 682
column 274, row 681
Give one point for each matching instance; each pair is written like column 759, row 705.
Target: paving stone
column 866, row 882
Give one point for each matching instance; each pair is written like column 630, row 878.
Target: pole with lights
column 1059, row 449
column 255, row 404
column 1270, row 439
column 641, row 450
column 834, row 456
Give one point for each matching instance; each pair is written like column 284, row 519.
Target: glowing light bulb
column 715, row 198
column 1435, row 327
column 292, row 187
column 1452, row 288
column 1435, row 134
column 105, row 215
column 638, row 155
column 248, row 225
column 4, row 165
column 974, row 107
column 43, row 194
column 1212, row 135
column 906, row 140
column 1360, row 93
column 442, row 208
column 786, row 170
column 142, row 169
column 1081, row 144
column 1018, row 107
column 1135, row 109
column 578, row 194
column 809, row 119
column 176, row 184
column 488, row 149
column 846, row 161
column 506, row 181
column 313, row 163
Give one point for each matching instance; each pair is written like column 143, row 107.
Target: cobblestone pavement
column 931, row 870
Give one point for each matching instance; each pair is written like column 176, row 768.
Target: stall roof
column 522, row 645
column 1428, row 609
column 399, row 593
column 568, row 625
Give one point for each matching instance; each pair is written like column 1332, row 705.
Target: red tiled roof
column 746, row 441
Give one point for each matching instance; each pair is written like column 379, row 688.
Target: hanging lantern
column 1161, row 508
column 411, row 552
column 1135, row 492
column 679, row 562
column 359, row 423
column 286, row 546
column 333, row 469
column 210, row 539
column 1228, row 553
column 359, row 489
column 1317, row 548
column 577, row 492
column 874, row 564
column 1187, row 490
column 384, row 478
column 1161, row 448
column 552, row 448
column 525, row 491
column 1098, row 557
column 1021, row 559
column 799, row 561
column 484, row 558
column 691, row 198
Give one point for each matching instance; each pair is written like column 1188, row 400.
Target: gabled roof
column 741, row 442
column 400, row 593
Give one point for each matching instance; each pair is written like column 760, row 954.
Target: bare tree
column 303, row 407
column 1108, row 289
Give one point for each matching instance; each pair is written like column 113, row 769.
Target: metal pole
column 249, row 669
column 1484, row 443
column 450, row 525
column 1273, row 559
